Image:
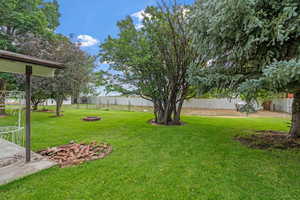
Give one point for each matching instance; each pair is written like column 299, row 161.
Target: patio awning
column 16, row 63
column 27, row 65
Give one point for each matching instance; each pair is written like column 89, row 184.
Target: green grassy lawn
column 197, row 161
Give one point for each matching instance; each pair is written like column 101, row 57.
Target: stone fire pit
column 91, row 119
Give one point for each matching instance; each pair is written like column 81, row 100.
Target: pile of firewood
column 74, row 154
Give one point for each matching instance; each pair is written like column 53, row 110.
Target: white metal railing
column 11, row 117
column 13, row 134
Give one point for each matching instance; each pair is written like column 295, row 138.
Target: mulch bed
column 75, row 154
column 152, row 122
column 269, row 140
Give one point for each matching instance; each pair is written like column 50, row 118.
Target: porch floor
column 12, row 162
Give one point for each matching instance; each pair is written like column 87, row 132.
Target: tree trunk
column 155, row 110
column 59, row 102
column 177, row 112
column 168, row 112
column 295, row 128
column 2, row 96
column 35, row 106
column 158, row 111
column 74, row 99
column 75, row 96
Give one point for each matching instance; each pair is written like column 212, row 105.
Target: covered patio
column 13, row 165
column 17, row 161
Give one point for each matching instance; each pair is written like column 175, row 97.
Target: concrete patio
column 12, row 162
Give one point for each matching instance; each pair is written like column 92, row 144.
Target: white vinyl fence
column 192, row 103
column 223, row 103
column 278, row 105
column 282, row 105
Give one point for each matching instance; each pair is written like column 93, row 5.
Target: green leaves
column 283, row 75
column 250, row 47
column 153, row 61
column 21, row 17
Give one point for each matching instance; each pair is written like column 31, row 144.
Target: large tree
column 152, row 59
column 250, row 47
column 82, row 75
column 39, row 89
column 75, row 77
column 20, row 20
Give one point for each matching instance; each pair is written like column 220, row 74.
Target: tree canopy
column 28, row 27
column 76, row 76
column 19, row 18
column 249, row 47
column 152, row 60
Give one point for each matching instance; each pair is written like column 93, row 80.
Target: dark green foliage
column 22, row 20
column 248, row 108
column 18, row 18
column 251, row 48
column 240, row 39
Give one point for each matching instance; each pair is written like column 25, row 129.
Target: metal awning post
column 28, row 111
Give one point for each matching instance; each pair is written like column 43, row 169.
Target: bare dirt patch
column 269, row 140
column 232, row 113
column 224, row 113
column 75, row 154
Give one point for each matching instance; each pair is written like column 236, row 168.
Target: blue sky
column 93, row 20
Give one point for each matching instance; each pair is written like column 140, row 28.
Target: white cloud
column 140, row 15
column 107, row 63
column 139, row 26
column 185, row 11
column 87, row 40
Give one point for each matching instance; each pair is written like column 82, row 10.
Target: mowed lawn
column 197, row 161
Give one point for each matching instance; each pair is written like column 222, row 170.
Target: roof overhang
column 16, row 63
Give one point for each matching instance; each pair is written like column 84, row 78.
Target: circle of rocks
column 91, row 119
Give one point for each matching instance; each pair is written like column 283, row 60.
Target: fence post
column 129, row 105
